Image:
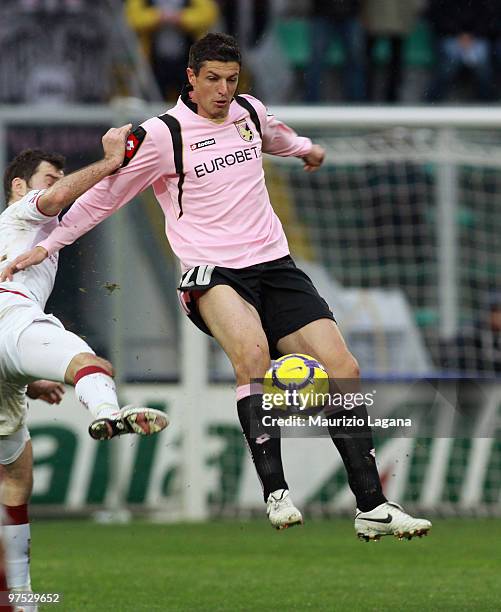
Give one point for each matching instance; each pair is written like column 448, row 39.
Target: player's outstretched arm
column 23, row 261
column 149, row 155
column 279, row 139
column 314, row 159
column 68, row 189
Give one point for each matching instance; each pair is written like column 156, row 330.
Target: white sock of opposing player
column 96, row 390
column 16, row 537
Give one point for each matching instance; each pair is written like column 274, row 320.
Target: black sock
column 356, row 447
column 264, row 444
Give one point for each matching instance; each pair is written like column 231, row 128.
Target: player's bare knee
column 83, row 360
column 352, row 367
column 345, row 368
column 251, row 362
column 106, row 365
column 16, row 489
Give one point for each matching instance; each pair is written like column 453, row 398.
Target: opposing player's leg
column 375, row 516
column 3, row 577
column 46, row 350
column 236, row 326
column 94, row 386
column 16, row 459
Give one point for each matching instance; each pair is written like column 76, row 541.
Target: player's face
column 45, row 176
column 214, row 87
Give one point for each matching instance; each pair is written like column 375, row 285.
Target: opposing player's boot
column 389, row 519
column 129, row 420
column 281, row 511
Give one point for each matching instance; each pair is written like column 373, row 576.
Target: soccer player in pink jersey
column 204, row 160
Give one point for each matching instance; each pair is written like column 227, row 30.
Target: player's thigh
column 17, row 477
column 323, row 340
column 290, row 303
column 16, row 456
column 236, row 326
column 45, row 350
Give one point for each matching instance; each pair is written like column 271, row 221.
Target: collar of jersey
column 185, row 98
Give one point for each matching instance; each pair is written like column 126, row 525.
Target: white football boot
column 129, row 420
column 389, row 519
column 281, row 511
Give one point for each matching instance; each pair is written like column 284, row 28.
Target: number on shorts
column 203, row 275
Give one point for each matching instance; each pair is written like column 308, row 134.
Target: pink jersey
column 208, row 178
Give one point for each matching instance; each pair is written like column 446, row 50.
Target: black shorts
column 283, row 295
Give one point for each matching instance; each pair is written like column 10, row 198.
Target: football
column 296, row 382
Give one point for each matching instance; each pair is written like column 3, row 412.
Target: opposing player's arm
column 46, row 390
column 142, row 166
column 27, row 259
column 66, row 190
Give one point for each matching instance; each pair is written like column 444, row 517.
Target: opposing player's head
column 31, row 169
column 213, row 70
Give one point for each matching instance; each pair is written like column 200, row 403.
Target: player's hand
column 314, row 159
column 114, row 143
column 46, row 390
column 26, row 260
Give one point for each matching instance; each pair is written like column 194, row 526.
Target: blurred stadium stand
column 68, row 51
column 294, row 37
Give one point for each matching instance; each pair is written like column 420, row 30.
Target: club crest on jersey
column 133, row 143
column 244, row 130
column 202, row 144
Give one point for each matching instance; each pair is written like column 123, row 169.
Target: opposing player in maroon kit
column 204, row 160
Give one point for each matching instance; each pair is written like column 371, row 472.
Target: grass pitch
column 230, row 566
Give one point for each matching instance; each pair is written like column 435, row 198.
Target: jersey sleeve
column 27, row 209
column 142, row 166
column 278, row 138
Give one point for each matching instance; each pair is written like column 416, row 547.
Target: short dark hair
column 216, row 47
column 25, row 165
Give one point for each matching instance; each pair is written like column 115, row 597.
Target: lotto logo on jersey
column 133, row 143
column 244, row 130
column 202, row 144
